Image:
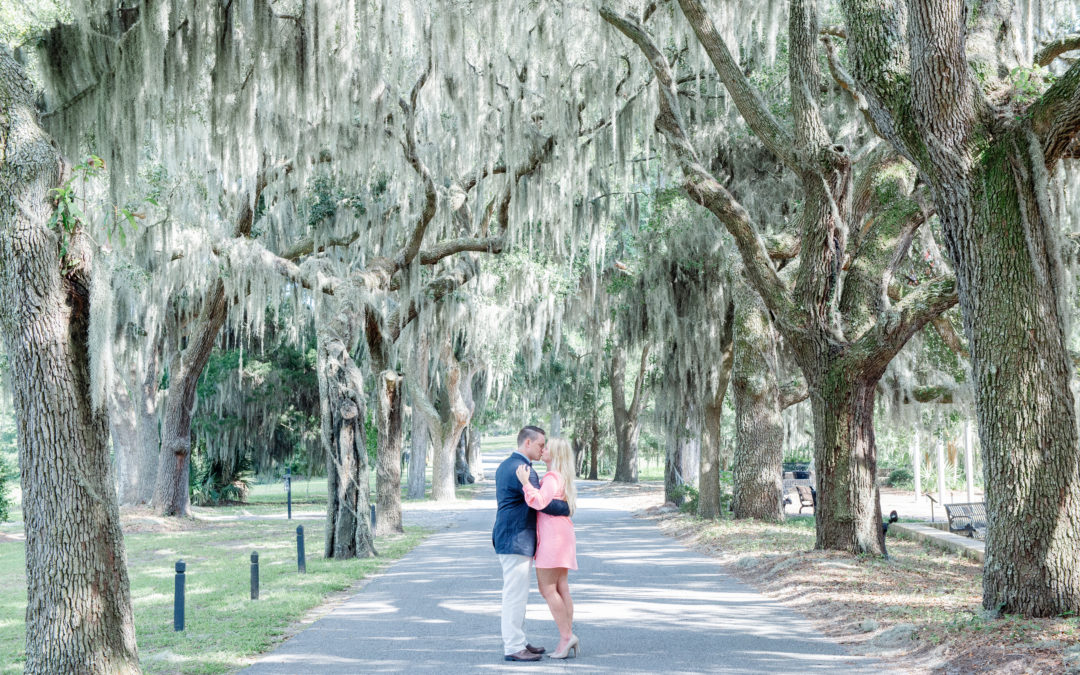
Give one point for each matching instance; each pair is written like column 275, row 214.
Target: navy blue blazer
column 515, row 521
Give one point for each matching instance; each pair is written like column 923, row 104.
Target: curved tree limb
column 757, row 115
column 1055, row 117
column 907, row 317
column 412, row 247
column 1046, row 55
column 699, row 184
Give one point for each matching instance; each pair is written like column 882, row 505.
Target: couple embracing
column 533, row 527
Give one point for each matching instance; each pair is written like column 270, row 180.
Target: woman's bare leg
column 563, row 587
column 548, row 581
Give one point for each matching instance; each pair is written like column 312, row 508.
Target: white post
column 968, row 462
column 941, row 472
column 916, row 461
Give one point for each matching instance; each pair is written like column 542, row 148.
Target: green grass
column 223, row 625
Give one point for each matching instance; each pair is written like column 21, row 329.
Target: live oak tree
column 78, row 614
column 836, row 315
column 938, row 82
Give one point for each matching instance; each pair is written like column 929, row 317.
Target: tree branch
column 699, row 184
column 639, row 401
column 433, row 254
column 306, row 246
column 942, row 93
column 757, row 115
column 804, row 77
column 1055, row 117
column 1046, row 55
column 876, row 34
column 793, row 392
column 405, row 257
column 434, row 291
column 908, row 317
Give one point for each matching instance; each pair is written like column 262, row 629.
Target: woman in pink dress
column 556, row 549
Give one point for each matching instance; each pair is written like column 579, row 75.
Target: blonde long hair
column 562, row 461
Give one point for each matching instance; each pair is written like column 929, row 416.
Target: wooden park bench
column 969, row 519
column 806, row 497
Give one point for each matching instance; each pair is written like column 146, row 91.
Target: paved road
column 643, row 603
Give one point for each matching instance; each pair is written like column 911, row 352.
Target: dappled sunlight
column 642, row 603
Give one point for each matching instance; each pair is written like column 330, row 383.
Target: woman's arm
column 539, row 499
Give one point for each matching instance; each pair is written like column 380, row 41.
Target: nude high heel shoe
column 574, row 644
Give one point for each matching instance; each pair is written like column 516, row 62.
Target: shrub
column 686, row 497
column 901, row 478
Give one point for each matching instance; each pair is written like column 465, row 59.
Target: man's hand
column 523, row 474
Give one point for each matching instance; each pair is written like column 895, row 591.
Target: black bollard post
column 301, row 564
column 254, row 575
column 288, row 490
column 373, row 519
column 178, row 596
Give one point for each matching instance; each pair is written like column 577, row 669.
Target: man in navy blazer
column 514, row 538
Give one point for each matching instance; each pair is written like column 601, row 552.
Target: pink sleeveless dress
column 555, row 542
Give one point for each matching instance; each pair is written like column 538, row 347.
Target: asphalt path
column 643, row 604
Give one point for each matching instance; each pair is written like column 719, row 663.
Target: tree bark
column 594, row 444
column 342, row 410
column 712, row 416
column 473, row 458
column 627, row 430
column 848, row 512
column 420, row 437
column 418, row 457
column 172, row 496
column 78, row 612
column 388, row 463
column 759, row 430
column 454, row 413
column 991, row 177
column 1019, row 361
column 709, row 479
column 134, row 425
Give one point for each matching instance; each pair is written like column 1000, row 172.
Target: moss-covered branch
column 1046, row 55
column 700, row 185
column 773, row 135
column 1055, row 117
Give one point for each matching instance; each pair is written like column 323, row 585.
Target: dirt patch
column 921, row 608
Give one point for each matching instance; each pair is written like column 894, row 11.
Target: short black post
column 301, row 564
column 178, row 597
column 254, row 575
column 288, row 490
column 373, row 519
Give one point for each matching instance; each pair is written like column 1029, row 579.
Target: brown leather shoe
column 535, row 650
column 523, row 655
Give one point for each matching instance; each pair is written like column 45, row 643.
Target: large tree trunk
column 709, row 477
column 388, row 464
column 420, row 438
column 134, row 424
column 473, row 458
column 172, row 496
column 759, row 429
column 627, row 429
column 446, row 422
column 342, row 408
column 848, row 512
column 418, row 456
column 594, row 444
column 672, row 461
column 690, row 449
column 1019, row 362
column 78, row 611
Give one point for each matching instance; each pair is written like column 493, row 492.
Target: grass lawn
column 932, row 596
column 224, row 627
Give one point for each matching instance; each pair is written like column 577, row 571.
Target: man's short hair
column 529, row 433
